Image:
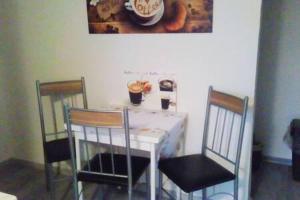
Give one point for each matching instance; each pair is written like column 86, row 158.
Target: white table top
column 4, row 196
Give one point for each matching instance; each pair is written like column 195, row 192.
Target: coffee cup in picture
column 166, row 85
column 144, row 10
column 165, row 102
column 135, row 90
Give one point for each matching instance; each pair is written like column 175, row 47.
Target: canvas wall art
column 150, row 16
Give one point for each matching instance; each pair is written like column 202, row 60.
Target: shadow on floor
column 27, row 182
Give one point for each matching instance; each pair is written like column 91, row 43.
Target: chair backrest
column 224, row 127
column 51, row 98
column 104, row 123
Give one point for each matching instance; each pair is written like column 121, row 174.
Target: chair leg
column 191, row 196
column 236, row 189
column 76, row 194
column 204, row 195
column 129, row 194
column 148, row 183
column 160, row 183
column 47, row 173
column 51, row 182
column 75, row 190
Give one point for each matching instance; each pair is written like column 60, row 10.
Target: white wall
column 54, row 44
column 278, row 88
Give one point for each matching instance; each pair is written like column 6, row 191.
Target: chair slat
column 100, row 119
column 99, row 151
column 61, row 87
column 224, row 120
column 215, row 129
column 86, row 148
column 230, row 133
column 227, row 101
column 53, row 117
column 111, row 152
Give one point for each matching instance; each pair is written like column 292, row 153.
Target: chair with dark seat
column 104, row 166
column 221, row 149
column 51, row 98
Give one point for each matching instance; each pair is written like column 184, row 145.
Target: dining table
column 160, row 133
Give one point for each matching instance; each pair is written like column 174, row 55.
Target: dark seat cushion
column 139, row 165
column 194, row 172
column 58, row 150
column 295, row 127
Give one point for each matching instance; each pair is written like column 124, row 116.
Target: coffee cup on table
column 144, row 10
column 135, row 90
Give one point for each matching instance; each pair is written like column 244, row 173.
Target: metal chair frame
column 105, row 119
column 56, row 91
column 229, row 104
column 242, row 112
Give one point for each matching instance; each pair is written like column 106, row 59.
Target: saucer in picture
column 155, row 19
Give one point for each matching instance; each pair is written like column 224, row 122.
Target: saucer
column 155, row 19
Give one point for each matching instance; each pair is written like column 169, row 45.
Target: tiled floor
column 275, row 182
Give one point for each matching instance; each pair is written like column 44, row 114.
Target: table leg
column 153, row 164
column 78, row 163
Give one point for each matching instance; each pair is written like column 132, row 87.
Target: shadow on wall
column 17, row 104
column 271, row 27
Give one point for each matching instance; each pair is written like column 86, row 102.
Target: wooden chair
column 51, row 98
column 104, row 167
column 221, row 149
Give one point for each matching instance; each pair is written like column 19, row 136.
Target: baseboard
column 64, row 169
column 24, row 163
column 282, row 161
